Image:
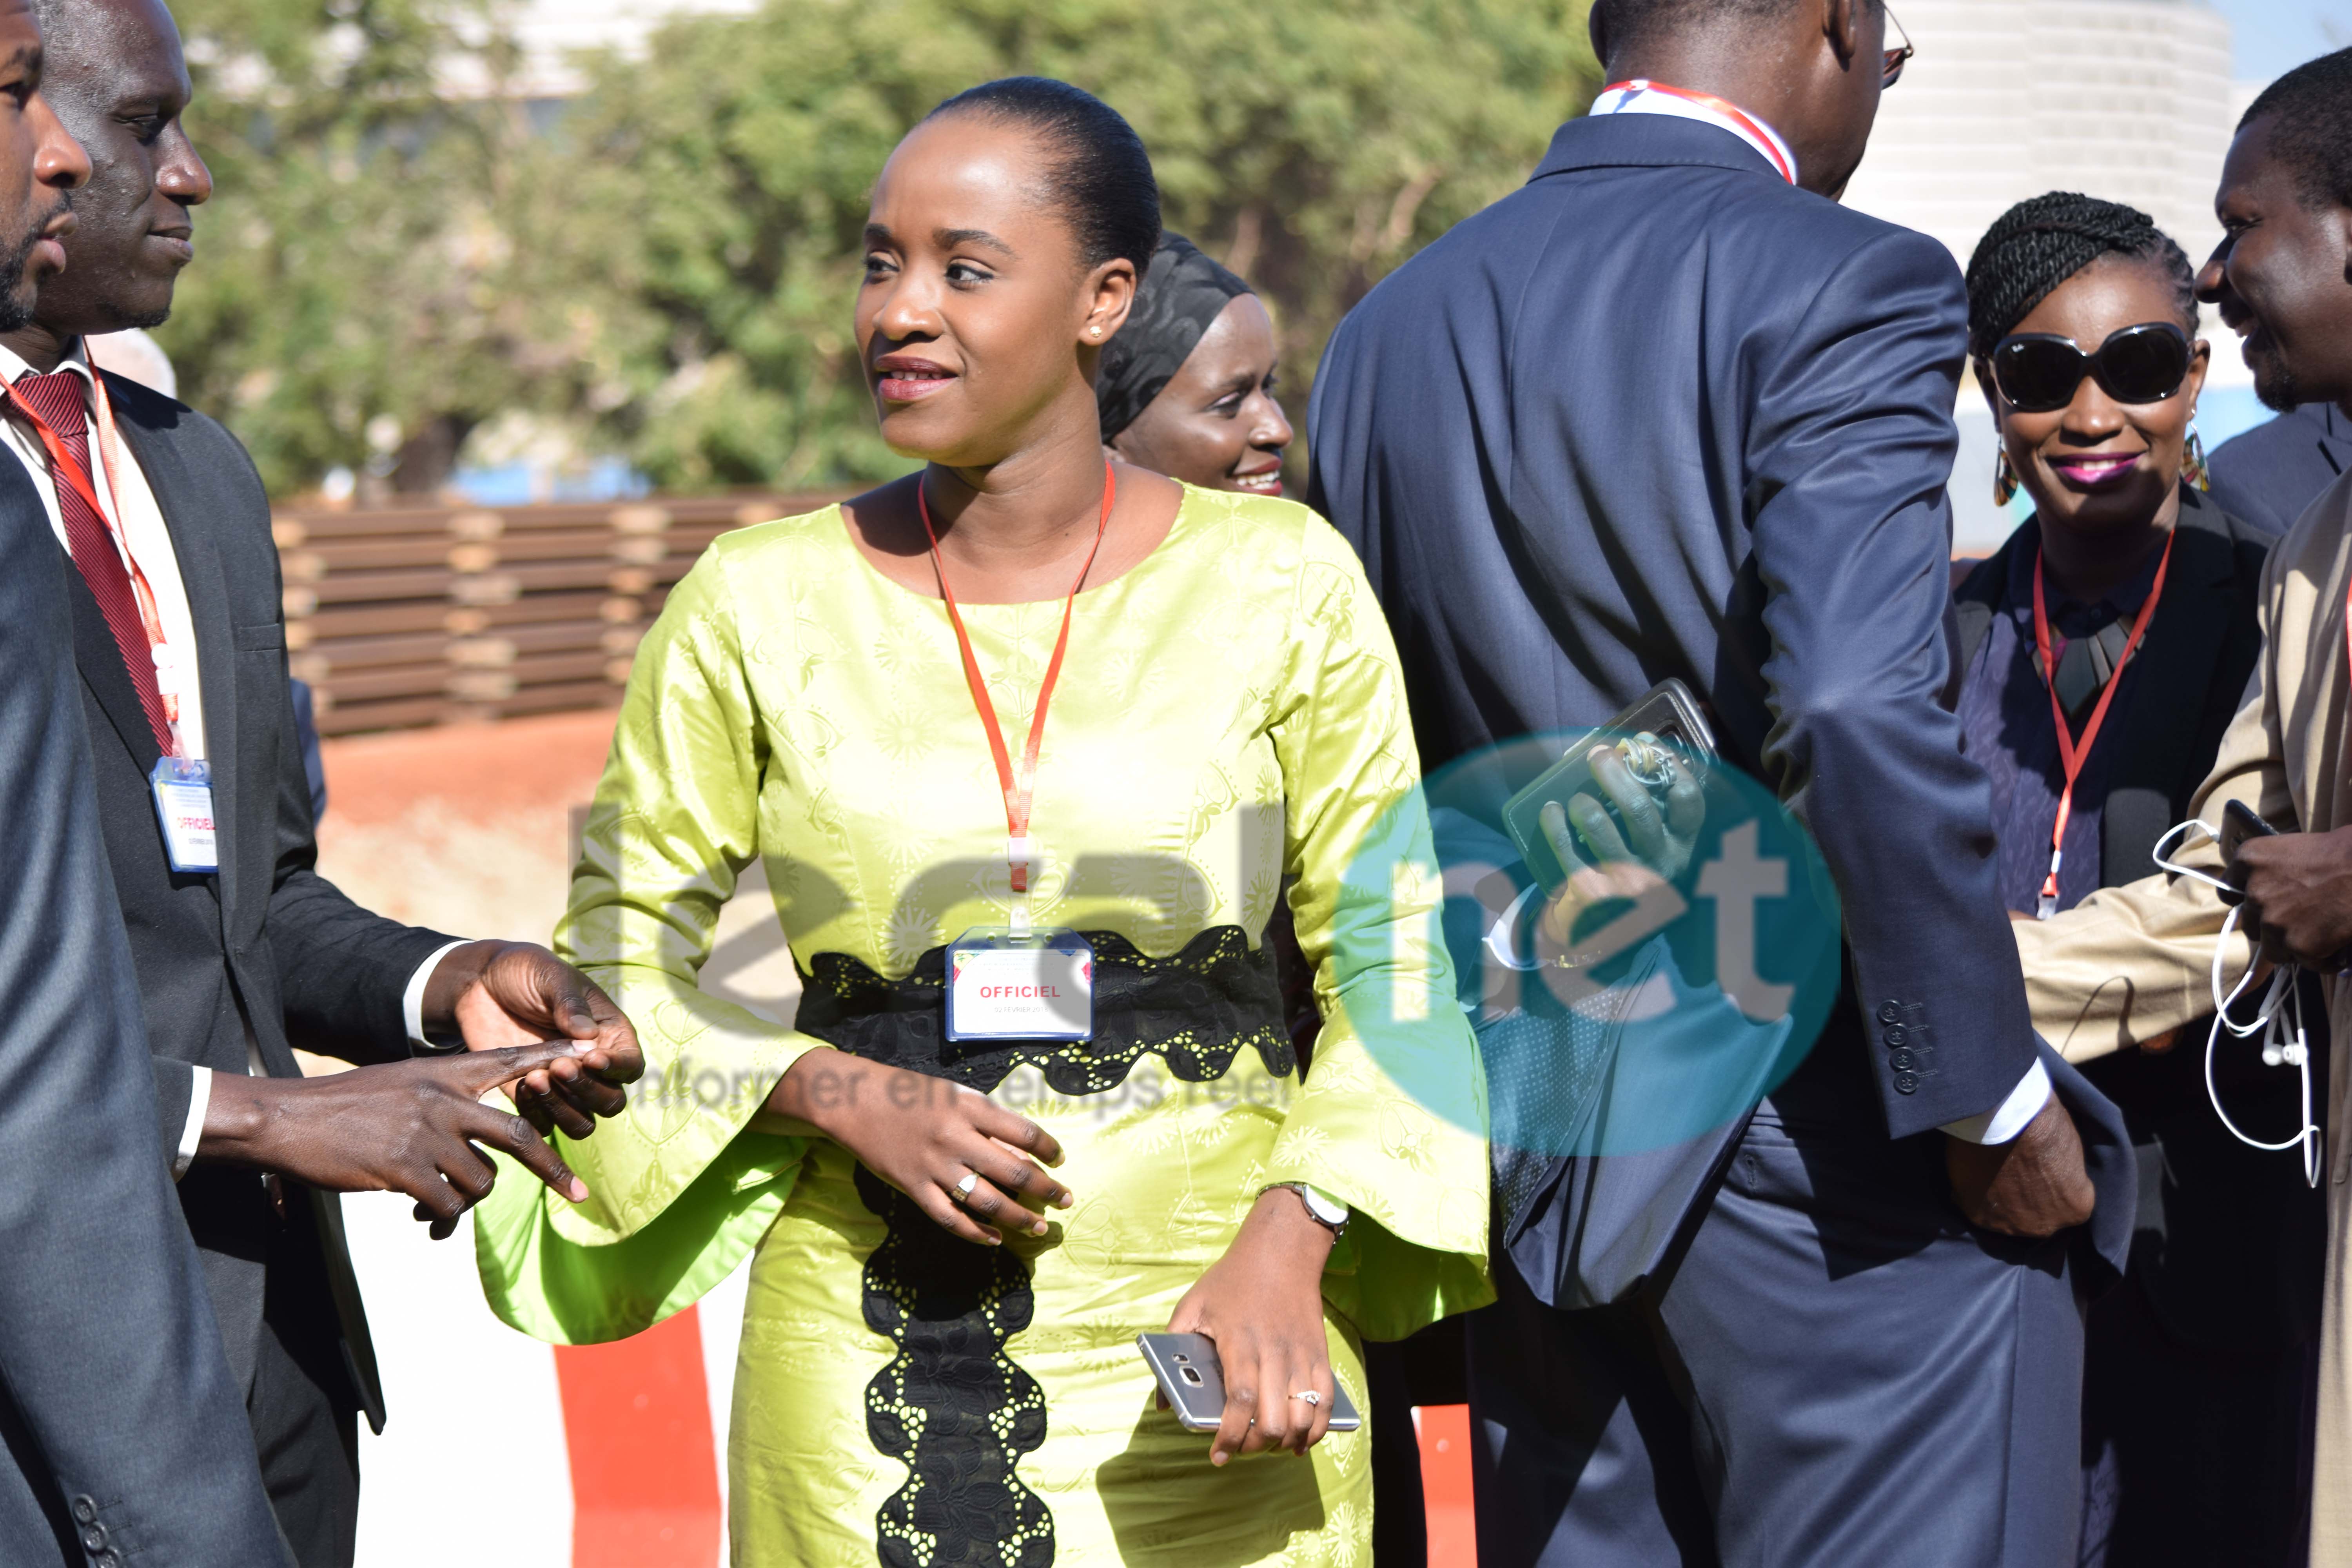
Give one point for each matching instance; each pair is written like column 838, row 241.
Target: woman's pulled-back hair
column 2040, row 243
column 1101, row 177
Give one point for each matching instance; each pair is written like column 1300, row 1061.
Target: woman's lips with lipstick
column 2097, row 472
column 902, row 379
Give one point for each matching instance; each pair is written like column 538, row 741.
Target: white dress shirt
column 140, row 532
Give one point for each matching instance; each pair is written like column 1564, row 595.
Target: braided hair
column 2040, row 243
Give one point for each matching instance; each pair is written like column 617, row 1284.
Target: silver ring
column 1310, row 1395
column 963, row 1188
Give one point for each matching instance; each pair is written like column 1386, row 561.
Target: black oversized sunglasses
column 2037, row 372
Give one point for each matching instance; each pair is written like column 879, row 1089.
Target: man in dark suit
column 113, row 1389
column 242, row 950
column 2268, row 475
column 1668, row 412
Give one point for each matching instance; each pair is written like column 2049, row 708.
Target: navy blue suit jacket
column 1659, row 413
column 2268, row 475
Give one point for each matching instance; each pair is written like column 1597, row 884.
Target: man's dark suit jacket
column 114, row 1395
column 2268, row 475
column 267, row 943
column 1659, row 413
column 2229, row 1241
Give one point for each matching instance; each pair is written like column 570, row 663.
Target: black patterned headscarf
column 1180, row 295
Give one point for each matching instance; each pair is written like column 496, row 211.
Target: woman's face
column 1216, row 424
column 978, row 321
column 2098, row 464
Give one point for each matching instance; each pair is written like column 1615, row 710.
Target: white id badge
column 1039, row 985
column 183, row 800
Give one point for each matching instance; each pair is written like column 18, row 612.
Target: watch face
column 1323, row 1208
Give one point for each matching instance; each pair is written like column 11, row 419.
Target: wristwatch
column 1321, row 1208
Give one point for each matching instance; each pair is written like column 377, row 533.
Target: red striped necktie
column 57, row 399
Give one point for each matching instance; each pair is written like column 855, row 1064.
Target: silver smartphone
column 1195, row 1381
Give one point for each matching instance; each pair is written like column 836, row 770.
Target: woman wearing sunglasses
column 2137, row 595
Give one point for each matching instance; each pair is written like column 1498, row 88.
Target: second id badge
column 1037, row 986
column 183, row 800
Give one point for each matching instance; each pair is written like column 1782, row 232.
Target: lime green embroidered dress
column 1231, row 712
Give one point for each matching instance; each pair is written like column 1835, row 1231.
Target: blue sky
column 2268, row 37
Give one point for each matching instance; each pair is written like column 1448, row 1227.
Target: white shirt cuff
column 412, row 1001
column 2007, row 1119
column 191, row 1131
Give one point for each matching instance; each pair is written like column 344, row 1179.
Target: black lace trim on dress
column 952, row 1405
column 1196, row 1010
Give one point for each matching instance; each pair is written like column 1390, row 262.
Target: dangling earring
column 2004, row 480
column 2192, row 461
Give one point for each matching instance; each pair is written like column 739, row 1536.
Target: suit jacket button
column 93, row 1537
column 1897, row 1036
column 1889, row 1011
column 1907, row 1083
column 84, row 1509
column 1902, row 1061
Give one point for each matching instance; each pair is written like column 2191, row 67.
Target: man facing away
column 242, row 950
column 113, row 1389
column 2130, row 964
column 1670, row 411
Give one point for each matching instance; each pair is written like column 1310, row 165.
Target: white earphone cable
column 2277, row 1021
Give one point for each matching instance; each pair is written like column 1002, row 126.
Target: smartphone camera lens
column 1192, row 1377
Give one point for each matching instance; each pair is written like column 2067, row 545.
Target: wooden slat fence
column 435, row 614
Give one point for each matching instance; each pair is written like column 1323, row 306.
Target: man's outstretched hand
column 407, row 1127
column 499, row 995
column 2033, row 1186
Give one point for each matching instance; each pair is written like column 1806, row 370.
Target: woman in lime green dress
column 954, row 1241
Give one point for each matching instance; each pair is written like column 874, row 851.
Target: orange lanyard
column 1019, row 853
column 1723, row 107
column 62, row 464
column 2072, row 754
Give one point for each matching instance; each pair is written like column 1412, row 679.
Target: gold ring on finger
column 1312, row 1396
column 963, row 1189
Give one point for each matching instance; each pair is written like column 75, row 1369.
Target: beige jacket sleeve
column 2131, row 962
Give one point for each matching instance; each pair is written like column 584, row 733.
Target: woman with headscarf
column 1186, row 388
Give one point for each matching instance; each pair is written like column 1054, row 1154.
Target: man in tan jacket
column 2131, row 964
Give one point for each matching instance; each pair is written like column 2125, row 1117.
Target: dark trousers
column 2191, row 1455
column 305, row 1424
column 1838, row 1372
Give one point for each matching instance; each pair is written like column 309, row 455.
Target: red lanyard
column 1018, row 788
column 62, row 464
column 1729, row 111
column 2072, row 755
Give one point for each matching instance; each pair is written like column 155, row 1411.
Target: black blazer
column 266, row 943
column 2230, row 1240
column 113, row 1389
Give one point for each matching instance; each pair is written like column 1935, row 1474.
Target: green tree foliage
column 362, row 266
column 670, row 265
